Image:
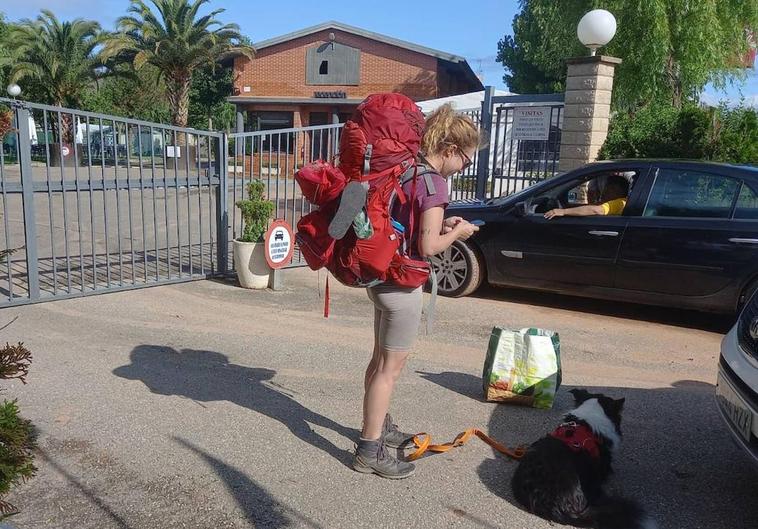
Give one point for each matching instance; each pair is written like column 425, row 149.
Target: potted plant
column 249, row 251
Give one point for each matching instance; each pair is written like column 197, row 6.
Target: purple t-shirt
column 423, row 202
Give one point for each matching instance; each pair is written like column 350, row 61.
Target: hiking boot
column 371, row 457
column 392, row 436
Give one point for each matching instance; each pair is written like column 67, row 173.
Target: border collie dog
column 561, row 476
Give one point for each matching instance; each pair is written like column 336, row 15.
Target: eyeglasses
column 467, row 162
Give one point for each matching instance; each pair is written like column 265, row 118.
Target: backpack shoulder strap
column 417, row 170
column 425, row 171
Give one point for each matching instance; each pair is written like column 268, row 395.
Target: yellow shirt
column 614, row 207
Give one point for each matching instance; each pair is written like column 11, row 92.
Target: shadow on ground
column 689, row 319
column 258, row 506
column 676, row 459
column 206, row 376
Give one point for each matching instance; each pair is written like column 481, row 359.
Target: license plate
column 734, row 407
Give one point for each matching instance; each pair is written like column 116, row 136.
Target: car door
column 696, row 236
column 577, row 251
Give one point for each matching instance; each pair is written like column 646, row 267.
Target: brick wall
column 279, row 71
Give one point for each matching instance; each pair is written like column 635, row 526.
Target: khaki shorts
column 397, row 314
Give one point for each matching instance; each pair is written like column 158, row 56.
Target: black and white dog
column 561, row 476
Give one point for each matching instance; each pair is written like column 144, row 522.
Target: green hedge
column 660, row 131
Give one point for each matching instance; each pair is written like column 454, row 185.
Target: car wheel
column 459, row 270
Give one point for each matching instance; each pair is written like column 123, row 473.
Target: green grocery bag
column 522, row 367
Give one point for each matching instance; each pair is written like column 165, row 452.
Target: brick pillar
column 587, row 109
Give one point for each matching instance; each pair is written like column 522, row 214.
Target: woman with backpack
column 449, row 143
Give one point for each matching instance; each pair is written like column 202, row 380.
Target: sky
column 471, row 29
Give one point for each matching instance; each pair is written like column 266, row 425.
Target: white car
column 737, row 386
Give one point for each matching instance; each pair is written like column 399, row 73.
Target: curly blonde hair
column 446, row 128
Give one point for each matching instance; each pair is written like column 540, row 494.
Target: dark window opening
column 325, row 118
column 324, row 68
column 267, row 120
column 318, row 118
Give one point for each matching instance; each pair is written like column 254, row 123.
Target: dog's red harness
column 578, row 437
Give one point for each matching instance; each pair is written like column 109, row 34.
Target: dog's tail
column 620, row 513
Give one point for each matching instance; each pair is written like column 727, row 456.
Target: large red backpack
column 352, row 234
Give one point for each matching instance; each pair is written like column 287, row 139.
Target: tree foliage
column 174, row 38
column 661, row 130
column 670, row 48
column 138, row 95
column 5, row 56
column 211, row 85
column 61, row 60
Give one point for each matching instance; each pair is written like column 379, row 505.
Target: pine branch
column 7, row 509
column 15, row 361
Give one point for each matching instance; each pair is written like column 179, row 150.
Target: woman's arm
column 431, row 240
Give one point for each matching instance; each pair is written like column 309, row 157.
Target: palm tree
column 175, row 40
column 4, row 52
column 61, row 58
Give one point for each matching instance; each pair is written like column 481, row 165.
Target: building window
column 268, row 120
column 325, row 118
column 333, row 64
column 324, row 141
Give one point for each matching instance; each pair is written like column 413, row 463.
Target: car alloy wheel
column 458, row 270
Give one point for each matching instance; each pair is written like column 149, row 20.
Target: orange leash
column 424, row 445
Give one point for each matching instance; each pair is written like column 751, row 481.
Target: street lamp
column 596, row 29
column 13, row 90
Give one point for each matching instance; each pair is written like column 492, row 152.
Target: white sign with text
column 280, row 244
column 531, row 123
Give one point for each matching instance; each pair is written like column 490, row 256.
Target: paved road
column 203, row 405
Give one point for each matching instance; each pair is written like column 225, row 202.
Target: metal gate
column 505, row 163
column 274, row 156
column 94, row 203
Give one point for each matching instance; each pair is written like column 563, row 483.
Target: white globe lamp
column 596, row 29
column 13, row 90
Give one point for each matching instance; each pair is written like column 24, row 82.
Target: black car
column 687, row 237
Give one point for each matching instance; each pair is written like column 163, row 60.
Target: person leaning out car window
column 613, row 199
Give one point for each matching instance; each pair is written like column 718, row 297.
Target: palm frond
column 62, row 56
column 174, row 37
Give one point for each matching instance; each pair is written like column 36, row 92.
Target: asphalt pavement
column 203, row 405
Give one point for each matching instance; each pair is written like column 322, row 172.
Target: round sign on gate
column 280, row 244
column 65, row 150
